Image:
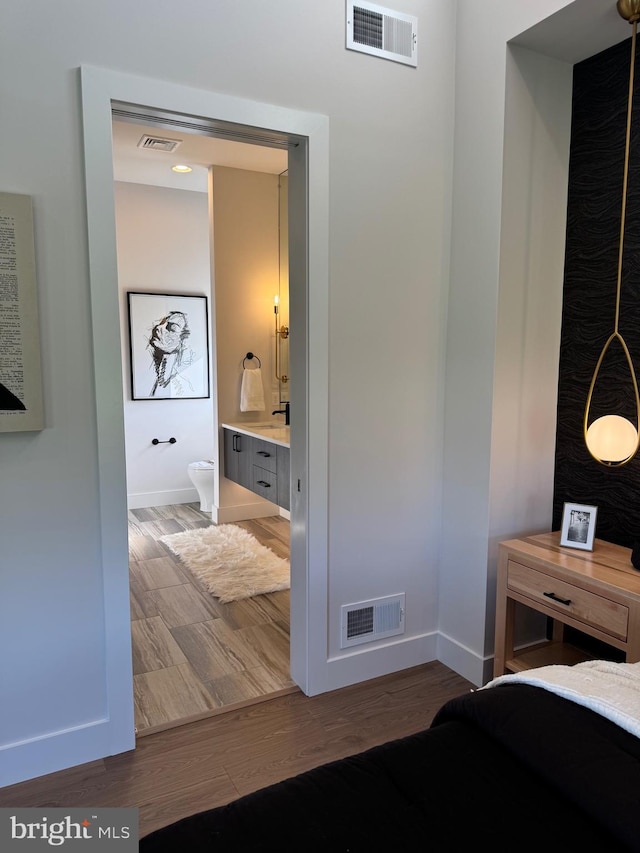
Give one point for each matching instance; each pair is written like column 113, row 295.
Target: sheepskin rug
column 230, row 562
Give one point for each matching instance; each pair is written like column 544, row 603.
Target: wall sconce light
column 612, row 439
column 281, row 334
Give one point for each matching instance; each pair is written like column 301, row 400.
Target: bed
column 548, row 759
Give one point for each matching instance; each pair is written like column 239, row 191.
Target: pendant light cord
column 625, row 179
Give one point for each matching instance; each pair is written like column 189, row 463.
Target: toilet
column 201, row 475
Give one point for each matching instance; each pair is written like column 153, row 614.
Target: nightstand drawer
column 594, row 610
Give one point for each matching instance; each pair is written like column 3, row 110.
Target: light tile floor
column 192, row 655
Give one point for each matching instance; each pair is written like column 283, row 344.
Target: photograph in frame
column 168, row 346
column 578, row 526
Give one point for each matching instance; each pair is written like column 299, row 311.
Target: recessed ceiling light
column 180, row 167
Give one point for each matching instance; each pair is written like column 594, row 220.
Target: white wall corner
column 476, row 668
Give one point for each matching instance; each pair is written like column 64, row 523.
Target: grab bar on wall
column 166, row 441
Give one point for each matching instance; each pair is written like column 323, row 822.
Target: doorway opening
column 192, row 655
column 308, row 167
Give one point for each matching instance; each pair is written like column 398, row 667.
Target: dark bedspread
column 513, row 767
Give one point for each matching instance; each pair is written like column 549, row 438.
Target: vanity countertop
column 276, row 433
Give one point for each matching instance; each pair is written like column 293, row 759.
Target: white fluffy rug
column 230, row 562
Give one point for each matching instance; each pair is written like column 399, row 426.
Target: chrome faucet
column 285, row 412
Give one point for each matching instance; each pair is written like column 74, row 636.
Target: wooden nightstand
column 597, row 592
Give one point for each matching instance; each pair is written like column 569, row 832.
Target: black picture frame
column 168, row 346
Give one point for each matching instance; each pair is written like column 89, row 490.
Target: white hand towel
column 252, row 391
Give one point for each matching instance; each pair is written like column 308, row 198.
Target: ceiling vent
column 372, row 620
column 158, row 143
column 382, row 32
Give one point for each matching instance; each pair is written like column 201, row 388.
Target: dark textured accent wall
column 596, row 164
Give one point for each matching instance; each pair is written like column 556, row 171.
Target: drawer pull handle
column 555, row 597
column 264, row 483
column 262, row 453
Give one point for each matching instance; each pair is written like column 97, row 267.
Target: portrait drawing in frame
column 169, row 346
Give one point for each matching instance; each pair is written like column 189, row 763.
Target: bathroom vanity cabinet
column 258, row 464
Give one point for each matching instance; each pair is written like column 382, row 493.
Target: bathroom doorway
column 192, row 656
column 307, row 134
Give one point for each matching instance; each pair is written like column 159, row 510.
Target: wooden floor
column 192, row 655
column 183, row 770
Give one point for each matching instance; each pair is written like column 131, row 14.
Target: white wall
column 390, row 190
column 163, row 247
column 509, row 207
column 246, row 243
column 534, row 202
column 391, row 161
column 388, row 254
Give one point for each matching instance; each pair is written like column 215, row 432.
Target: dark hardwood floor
column 177, row 772
column 220, row 725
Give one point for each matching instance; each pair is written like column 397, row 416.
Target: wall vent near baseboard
column 158, row 143
column 382, row 32
column 372, row 620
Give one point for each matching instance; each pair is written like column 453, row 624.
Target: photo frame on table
column 578, row 526
column 169, row 346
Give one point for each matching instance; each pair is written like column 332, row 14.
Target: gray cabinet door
column 244, row 445
column 237, row 458
column 230, row 456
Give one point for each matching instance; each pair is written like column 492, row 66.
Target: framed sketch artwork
column 169, row 346
column 578, row 526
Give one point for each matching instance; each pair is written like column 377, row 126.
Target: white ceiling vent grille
column 372, row 620
column 382, row 32
column 159, row 143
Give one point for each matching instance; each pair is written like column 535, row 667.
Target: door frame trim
column 100, row 88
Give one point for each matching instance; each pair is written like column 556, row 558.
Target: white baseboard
column 361, row 664
column 70, row 747
column 55, row 751
column 175, row 496
column 242, row 512
column 475, row 668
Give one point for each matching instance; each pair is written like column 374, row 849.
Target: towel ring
column 249, row 356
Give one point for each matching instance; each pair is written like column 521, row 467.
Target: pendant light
column 612, row 439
